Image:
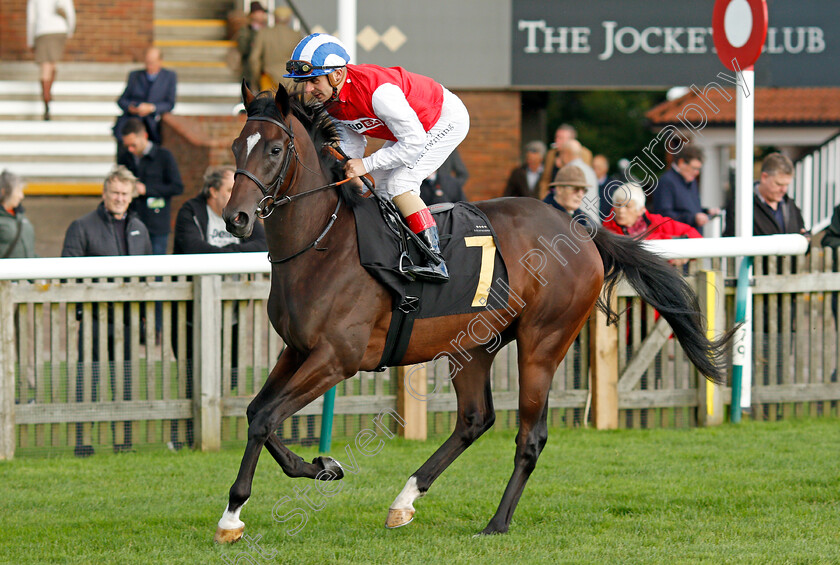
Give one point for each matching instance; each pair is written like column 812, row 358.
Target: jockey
column 421, row 121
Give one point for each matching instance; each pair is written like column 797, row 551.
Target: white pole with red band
column 739, row 28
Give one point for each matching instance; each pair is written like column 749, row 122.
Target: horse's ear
column 247, row 95
column 281, row 99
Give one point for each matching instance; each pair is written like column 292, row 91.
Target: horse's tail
column 661, row 286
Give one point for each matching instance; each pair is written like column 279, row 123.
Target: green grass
column 753, row 493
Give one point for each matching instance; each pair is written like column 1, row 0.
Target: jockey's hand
column 354, row 168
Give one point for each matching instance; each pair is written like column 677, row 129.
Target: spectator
column 568, row 189
column 677, row 194
column 831, row 240
column 109, row 230
column 553, row 163
column 149, row 93
column 773, row 210
column 270, row 51
column 606, row 185
column 199, row 228
column 17, row 241
column 524, row 180
column 831, row 236
column 454, row 167
column 257, row 20
column 17, row 236
column 158, row 181
column 438, row 189
column 570, row 154
column 632, row 219
column 48, row 25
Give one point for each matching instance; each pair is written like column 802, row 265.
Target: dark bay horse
column 334, row 317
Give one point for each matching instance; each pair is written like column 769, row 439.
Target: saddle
column 478, row 275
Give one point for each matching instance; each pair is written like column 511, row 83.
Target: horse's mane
column 322, row 131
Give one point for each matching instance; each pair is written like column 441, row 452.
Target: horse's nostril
column 240, row 220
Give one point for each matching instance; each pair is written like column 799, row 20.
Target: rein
column 271, row 200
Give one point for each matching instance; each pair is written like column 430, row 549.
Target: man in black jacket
column 199, row 228
column 107, row 231
column 159, row 180
column 677, row 194
column 111, row 229
column 438, row 188
column 774, row 211
column 525, row 179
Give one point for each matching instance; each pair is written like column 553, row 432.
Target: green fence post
column 739, row 358
column 327, row 421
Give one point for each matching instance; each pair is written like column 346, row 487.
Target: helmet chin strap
column 335, row 83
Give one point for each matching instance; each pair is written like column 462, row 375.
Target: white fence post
column 7, row 372
column 207, row 373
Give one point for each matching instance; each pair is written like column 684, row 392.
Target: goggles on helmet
column 305, row 68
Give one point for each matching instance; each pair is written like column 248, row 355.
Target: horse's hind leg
column 534, row 385
column 475, row 416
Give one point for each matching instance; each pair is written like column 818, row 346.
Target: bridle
column 271, row 200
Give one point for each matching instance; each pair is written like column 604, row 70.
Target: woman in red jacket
column 631, row 218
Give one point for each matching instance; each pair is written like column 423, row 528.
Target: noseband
column 270, row 198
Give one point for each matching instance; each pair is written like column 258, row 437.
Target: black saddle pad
column 478, row 276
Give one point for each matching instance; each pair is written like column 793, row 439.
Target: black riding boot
column 432, row 270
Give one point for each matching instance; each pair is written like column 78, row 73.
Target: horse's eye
column 275, row 150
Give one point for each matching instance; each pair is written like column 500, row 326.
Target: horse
column 334, row 317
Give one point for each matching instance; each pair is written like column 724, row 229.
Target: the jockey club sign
column 661, row 43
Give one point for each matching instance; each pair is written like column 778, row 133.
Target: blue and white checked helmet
column 315, row 55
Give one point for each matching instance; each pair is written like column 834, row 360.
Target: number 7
column 485, row 276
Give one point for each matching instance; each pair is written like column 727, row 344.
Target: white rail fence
column 62, row 384
column 816, row 184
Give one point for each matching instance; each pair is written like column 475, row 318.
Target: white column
column 744, row 157
column 711, row 188
column 347, row 26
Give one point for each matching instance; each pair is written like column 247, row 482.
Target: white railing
column 213, row 264
column 816, row 185
column 46, row 358
column 134, row 266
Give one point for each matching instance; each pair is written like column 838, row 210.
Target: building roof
column 773, row 107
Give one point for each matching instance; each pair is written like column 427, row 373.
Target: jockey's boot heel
column 432, row 270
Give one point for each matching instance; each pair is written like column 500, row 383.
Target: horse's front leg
column 291, row 385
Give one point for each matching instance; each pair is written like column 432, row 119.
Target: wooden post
column 7, row 372
column 603, row 355
column 710, row 291
column 412, row 400
column 207, row 370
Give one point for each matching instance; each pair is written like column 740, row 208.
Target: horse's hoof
column 490, row 531
column 399, row 517
column 331, row 469
column 228, row 536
